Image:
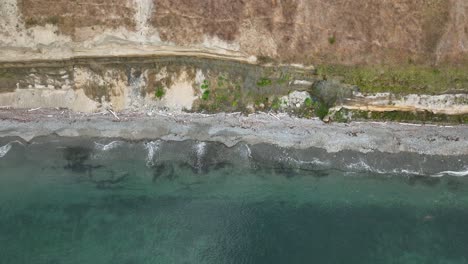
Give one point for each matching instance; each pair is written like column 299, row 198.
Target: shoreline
column 231, row 128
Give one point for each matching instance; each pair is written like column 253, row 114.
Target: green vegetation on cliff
column 405, row 79
column 345, row 115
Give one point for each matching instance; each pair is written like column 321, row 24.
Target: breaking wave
column 287, row 158
column 314, row 161
column 463, row 173
column 362, row 166
column 200, row 150
column 248, row 152
column 4, row 150
column 107, row 147
column 152, row 147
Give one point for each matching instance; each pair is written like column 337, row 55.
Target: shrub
column 205, row 85
column 308, row 102
column 206, row 95
column 264, row 82
column 54, row 20
column 159, row 93
column 276, row 104
column 321, row 110
column 30, row 22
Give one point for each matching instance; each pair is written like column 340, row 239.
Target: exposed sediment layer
column 200, row 82
column 176, row 82
column 342, row 31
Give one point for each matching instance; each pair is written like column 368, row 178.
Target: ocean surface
column 130, row 203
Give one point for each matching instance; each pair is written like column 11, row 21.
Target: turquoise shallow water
column 62, row 206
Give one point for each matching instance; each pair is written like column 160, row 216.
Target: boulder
column 294, row 99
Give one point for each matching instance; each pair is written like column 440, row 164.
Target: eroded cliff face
column 340, row 31
column 302, row 31
column 239, row 55
column 173, row 83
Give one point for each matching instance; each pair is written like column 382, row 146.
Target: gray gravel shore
column 230, row 129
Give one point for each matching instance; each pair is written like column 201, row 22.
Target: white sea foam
column 4, row 150
column 248, row 151
column 200, row 150
column 107, row 147
column 361, row 165
column 152, row 147
column 314, row 161
column 407, row 172
column 463, row 173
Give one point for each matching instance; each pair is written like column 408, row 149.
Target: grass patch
column 264, row 82
column 30, row 22
column 332, row 40
column 406, row 116
column 8, row 81
column 97, row 92
column 321, row 109
column 259, row 100
column 406, row 79
column 220, row 94
column 308, row 102
column 206, row 95
column 54, row 20
column 340, row 117
column 205, row 85
column 222, row 81
column 265, row 59
column 284, row 78
column 276, row 104
column 160, row 92
column 6, row 75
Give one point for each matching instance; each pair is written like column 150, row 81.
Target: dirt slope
column 304, row 31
